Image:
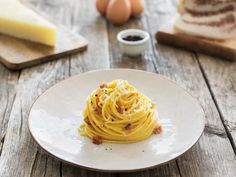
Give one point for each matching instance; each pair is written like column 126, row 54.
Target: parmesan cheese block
column 21, row 22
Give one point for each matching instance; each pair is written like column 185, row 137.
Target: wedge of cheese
column 19, row 21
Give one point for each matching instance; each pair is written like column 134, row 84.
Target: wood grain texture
column 213, row 155
column 70, row 171
column 45, row 166
column 221, row 78
column 8, row 82
column 95, row 30
column 170, row 36
column 19, row 152
column 169, row 170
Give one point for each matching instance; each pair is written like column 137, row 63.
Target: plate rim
column 114, row 170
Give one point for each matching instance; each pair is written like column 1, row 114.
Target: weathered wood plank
column 221, row 77
column 45, row 166
column 20, row 156
column 8, row 81
column 70, row 171
column 144, row 62
column 213, row 155
column 86, row 20
column 19, row 151
column 169, row 170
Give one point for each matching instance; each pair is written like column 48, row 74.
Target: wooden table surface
column 212, row 81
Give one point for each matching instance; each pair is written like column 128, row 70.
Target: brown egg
column 119, row 11
column 101, row 6
column 137, row 7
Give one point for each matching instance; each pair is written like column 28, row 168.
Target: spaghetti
column 117, row 113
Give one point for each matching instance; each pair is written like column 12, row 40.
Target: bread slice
column 206, row 20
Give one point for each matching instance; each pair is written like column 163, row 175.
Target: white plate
column 56, row 115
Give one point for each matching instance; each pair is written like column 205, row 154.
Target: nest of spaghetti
column 117, row 112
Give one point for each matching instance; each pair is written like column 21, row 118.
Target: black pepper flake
column 106, row 149
column 112, row 120
column 142, row 150
column 133, row 38
column 110, row 148
column 96, row 95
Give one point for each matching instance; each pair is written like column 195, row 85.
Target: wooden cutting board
column 17, row 53
column 223, row 49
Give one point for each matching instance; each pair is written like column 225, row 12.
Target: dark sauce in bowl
column 133, row 38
